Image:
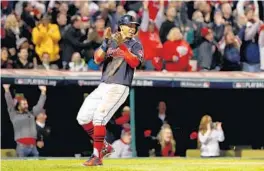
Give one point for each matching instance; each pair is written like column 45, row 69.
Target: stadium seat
column 8, row 153
column 193, row 153
column 252, row 153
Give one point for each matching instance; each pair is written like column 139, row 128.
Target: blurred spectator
column 46, row 62
column 251, row 61
column 6, row 62
column 168, row 24
column 125, row 116
column 24, row 44
column 46, row 37
column 12, row 34
column 208, row 54
column 87, row 20
column 85, row 16
column 242, row 7
column 157, row 122
column 23, row 122
column 73, row 40
column 149, row 35
column 250, row 50
column 183, row 23
column 62, row 23
column 96, row 33
column 164, row 144
column 122, row 147
column 218, row 26
column 22, row 61
column 198, row 24
column 228, row 16
column 6, row 7
column 206, row 9
column 261, row 46
column 116, row 125
column 231, row 53
column 42, row 130
column 110, row 14
column 177, row 52
column 209, row 136
column 27, row 16
column 77, row 63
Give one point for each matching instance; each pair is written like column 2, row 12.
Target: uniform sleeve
column 134, row 56
column 138, row 51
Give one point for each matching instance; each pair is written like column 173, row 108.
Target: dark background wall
column 241, row 112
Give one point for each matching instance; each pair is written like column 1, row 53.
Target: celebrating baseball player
column 120, row 54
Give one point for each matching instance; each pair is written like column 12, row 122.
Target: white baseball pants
column 102, row 103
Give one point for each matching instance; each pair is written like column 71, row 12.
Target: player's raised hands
column 117, row 38
column 107, row 33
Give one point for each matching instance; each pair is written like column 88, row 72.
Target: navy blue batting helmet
column 127, row 19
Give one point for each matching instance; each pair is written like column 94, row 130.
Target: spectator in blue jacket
column 251, row 61
column 231, row 53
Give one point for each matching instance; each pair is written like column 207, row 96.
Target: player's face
column 128, row 31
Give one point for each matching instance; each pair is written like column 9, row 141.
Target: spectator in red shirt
column 176, row 52
column 149, row 35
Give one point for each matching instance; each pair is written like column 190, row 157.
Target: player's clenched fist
column 117, row 39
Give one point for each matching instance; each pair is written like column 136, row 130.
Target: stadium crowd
column 221, row 35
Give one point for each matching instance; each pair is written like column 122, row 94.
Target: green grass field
column 137, row 164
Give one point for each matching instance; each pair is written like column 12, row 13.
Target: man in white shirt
column 122, row 148
column 42, row 130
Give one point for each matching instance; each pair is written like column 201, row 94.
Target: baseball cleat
column 93, row 161
column 107, row 150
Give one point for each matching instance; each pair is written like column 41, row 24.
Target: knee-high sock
column 89, row 128
column 99, row 135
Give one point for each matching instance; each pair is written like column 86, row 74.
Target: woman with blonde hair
column 164, row 144
column 176, row 52
column 166, row 141
column 12, row 33
column 209, row 136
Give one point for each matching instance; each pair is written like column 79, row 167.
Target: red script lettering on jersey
column 115, row 52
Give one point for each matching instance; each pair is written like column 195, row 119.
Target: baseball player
column 120, row 54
